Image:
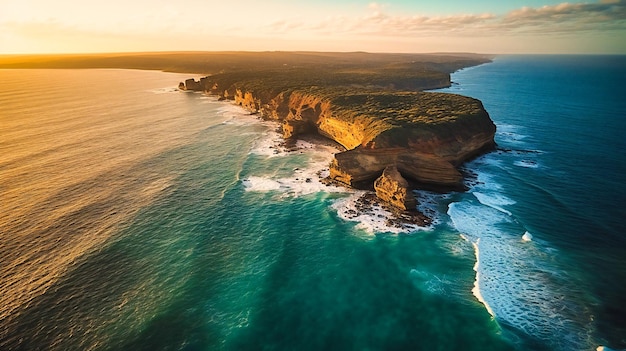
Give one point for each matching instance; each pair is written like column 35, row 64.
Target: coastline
column 302, row 107
column 552, row 278
column 360, row 206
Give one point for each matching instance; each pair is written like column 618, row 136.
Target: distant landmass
column 373, row 105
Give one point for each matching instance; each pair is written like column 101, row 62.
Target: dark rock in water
column 369, row 202
column 392, row 188
column 193, row 85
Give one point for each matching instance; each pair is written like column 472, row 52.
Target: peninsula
column 396, row 136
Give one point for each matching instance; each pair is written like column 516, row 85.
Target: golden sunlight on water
column 70, row 146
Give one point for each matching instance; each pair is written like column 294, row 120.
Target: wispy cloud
column 567, row 17
column 597, row 26
column 562, row 18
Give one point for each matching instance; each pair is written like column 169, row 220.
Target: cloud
column 599, row 12
column 606, row 15
column 599, row 24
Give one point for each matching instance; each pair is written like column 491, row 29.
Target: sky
column 495, row 27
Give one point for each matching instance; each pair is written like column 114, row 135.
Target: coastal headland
column 373, row 105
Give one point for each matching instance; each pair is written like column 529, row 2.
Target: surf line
column 476, row 288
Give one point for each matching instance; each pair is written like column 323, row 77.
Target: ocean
column 134, row 216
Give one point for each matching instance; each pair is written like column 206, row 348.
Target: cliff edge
column 380, row 116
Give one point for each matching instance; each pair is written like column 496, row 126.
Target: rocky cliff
column 424, row 135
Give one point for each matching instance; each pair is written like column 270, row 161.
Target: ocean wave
column 303, row 182
column 517, row 283
column 260, row 184
column 271, row 144
column 526, row 163
column 495, row 201
column 234, row 115
column 511, row 134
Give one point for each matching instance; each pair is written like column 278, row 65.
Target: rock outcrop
column 392, row 188
column 191, row 84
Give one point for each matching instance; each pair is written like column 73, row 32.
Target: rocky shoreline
column 395, row 136
column 401, row 219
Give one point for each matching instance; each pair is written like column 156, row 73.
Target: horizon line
column 301, row 51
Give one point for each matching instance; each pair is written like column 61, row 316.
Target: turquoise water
column 140, row 217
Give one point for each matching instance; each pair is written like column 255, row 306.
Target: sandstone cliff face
column 392, row 188
column 306, row 112
column 427, row 146
column 424, row 135
column 359, row 166
column 372, row 105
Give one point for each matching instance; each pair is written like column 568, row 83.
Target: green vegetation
column 384, row 89
column 380, row 87
column 407, row 108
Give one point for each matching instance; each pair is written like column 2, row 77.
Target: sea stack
column 392, row 188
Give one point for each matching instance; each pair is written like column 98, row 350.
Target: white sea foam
column 484, row 180
column 372, row 219
column 527, row 236
column 271, row 144
column 510, row 134
column 234, row 115
column 303, row 181
column 495, row 201
column 261, row 184
column 476, row 289
column 526, row 164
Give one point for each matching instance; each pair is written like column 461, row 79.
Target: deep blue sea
column 134, row 216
